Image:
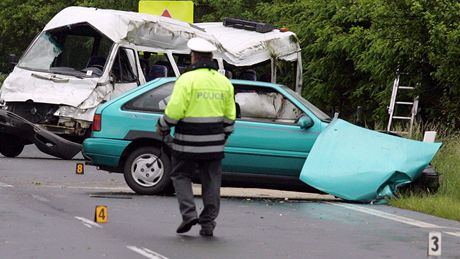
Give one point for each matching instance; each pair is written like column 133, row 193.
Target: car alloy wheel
column 147, row 170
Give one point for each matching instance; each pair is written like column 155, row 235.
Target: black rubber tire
column 11, row 146
column 163, row 186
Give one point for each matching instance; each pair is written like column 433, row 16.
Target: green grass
column 446, row 202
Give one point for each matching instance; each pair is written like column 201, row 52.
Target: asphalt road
column 47, row 211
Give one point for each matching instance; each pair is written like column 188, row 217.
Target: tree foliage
column 216, row 10
column 20, row 21
column 351, row 49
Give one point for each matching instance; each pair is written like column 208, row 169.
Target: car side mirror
column 12, row 59
column 305, row 122
column 112, row 78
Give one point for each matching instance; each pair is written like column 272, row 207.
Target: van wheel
column 147, row 172
column 10, row 146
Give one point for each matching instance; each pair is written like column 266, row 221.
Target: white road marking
column 5, row 185
column 40, row 198
column 87, row 225
column 386, row 215
column 146, row 252
column 89, row 187
column 456, row 234
column 88, row 222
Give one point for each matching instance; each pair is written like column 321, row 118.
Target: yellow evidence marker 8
column 100, row 215
column 80, row 168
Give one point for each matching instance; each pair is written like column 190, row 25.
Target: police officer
column 202, row 110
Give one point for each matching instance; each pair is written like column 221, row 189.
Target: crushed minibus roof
column 236, row 46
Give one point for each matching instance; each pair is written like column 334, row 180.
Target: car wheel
column 147, row 172
column 10, row 146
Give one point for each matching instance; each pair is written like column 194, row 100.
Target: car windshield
column 77, row 50
column 320, row 114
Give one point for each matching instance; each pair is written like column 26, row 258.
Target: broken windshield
column 77, row 50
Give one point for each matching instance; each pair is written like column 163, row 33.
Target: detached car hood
column 22, row 85
column 358, row 164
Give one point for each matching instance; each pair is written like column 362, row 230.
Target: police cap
column 201, row 45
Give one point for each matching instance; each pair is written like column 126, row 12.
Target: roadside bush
column 352, row 50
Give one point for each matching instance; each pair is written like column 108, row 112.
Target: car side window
column 265, row 105
column 154, row 100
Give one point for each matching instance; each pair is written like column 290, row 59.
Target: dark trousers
column 211, row 178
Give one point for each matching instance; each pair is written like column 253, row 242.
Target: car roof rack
column 248, row 25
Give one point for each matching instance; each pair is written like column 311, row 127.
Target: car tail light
column 97, row 122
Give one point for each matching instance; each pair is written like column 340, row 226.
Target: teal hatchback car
column 274, row 133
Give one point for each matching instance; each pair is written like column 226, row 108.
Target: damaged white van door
column 123, row 75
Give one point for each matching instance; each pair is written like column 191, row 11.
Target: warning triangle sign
column 166, row 13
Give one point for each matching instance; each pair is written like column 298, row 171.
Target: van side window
column 124, row 69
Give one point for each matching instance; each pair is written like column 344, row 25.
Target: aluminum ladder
column 394, row 103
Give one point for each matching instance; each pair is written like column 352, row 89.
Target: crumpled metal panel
column 363, row 165
column 21, row 86
column 236, row 46
column 245, row 48
column 140, row 29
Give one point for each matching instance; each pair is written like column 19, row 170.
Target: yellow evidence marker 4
column 100, row 215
